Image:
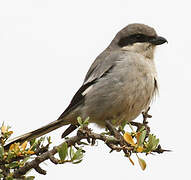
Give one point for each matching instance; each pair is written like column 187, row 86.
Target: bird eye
column 138, row 36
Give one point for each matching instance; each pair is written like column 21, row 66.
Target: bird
column 119, row 85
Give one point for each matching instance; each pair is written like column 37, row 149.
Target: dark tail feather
column 70, row 129
column 38, row 132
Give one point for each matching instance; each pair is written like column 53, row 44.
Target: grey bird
column 119, row 85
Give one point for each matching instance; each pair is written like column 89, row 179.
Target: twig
column 115, row 143
column 81, row 134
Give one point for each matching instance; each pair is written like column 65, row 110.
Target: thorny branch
column 114, row 139
column 116, row 144
column 81, row 134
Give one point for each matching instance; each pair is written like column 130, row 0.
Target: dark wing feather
column 77, row 99
column 92, row 76
column 101, row 66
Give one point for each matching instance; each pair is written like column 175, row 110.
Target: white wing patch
column 87, row 90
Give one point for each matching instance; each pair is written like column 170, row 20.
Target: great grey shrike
column 119, row 85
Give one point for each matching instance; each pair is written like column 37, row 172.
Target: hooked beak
column 158, row 40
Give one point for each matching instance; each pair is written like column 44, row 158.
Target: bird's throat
column 145, row 49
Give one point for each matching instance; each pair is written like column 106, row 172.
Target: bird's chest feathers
column 146, row 77
column 140, row 83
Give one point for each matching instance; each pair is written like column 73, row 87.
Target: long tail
column 38, row 132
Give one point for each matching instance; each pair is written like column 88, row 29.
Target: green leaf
column 41, row 140
column 78, row 155
column 29, row 178
column 77, row 162
column 10, row 155
column 8, row 127
column 9, row 178
column 123, row 124
column 142, row 137
column 25, row 160
column 79, row 119
column 1, row 176
column 1, row 152
column 142, row 128
column 63, row 151
column 34, row 144
column 49, row 140
column 32, row 141
column 131, row 127
column 155, row 144
column 86, row 121
column 152, row 143
column 13, row 165
column 114, row 121
column 71, row 152
column 149, row 145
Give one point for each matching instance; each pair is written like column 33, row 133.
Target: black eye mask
column 133, row 39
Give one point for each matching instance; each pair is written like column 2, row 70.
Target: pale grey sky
column 46, row 48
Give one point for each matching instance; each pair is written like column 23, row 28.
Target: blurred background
column 46, row 48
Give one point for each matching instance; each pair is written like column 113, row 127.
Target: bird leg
column 145, row 122
column 146, row 115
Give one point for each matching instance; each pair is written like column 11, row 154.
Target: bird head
column 137, row 37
